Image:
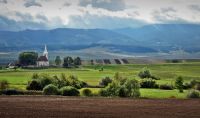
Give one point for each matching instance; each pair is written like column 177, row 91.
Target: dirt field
column 75, row 107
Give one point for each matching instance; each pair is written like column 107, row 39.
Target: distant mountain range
column 151, row 38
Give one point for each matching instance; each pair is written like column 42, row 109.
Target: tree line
column 30, row 58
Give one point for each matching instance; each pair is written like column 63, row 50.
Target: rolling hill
column 151, row 38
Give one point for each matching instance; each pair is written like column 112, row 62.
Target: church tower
column 45, row 53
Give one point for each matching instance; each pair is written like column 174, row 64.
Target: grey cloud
column 167, row 10
column 106, row 22
column 195, row 7
column 164, row 16
column 7, row 24
column 30, row 3
column 112, row 5
column 4, row 1
column 42, row 17
column 66, row 4
column 24, row 17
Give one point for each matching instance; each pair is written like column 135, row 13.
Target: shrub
column 187, row 86
column 179, row 84
column 122, row 91
column 166, row 87
column 32, row 92
column 105, row 81
column 154, row 77
column 193, row 94
column 45, row 81
column 86, row 92
column 193, row 83
column 197, row 87
column 145, row 73
column 83, row 84
column 112, row 89
column 35, row 76
column 119, row 78
column 3, row 84
column 103, row 92
column 148, row 83
column 129, row 89
column 34, row 85
column 132, row 87
column 50, row 90
column 12, row 92
column 69, row 91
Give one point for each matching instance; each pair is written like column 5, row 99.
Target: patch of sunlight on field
column 157, row 93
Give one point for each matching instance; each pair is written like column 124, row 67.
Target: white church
column 43, row 61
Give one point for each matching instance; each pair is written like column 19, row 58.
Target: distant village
column 33, row 60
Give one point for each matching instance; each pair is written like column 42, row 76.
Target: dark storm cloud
column 7, row 24
column 30, row 3
column 112, row 5
column 195, row 7
column 4, row 1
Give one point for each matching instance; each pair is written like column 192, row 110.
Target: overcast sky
column 108, row 14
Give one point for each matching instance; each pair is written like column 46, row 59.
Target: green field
column 91, row 74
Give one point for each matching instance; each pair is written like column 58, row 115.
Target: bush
column 12, row 92
column 69, row 91
column 187, row 86
column 179, row 84
column 154, row 77
column 45, row 80
column 35, row 76
column 145, row 73
column 122, row 91
column 132, row 88
column 193, row 94
column 103, row 92
column 129, row 89
column 86, row 92
column 3, row 84
column 34, row 85
column 50, row 90
column 105, row 81
column 32, row 92
column 197, row 87
column 148, row 83
column 166, row 87
column 112, row 88
column 193, row 83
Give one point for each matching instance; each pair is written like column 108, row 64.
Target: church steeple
column 45, row 53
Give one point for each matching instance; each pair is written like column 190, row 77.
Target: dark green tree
column 179, row 84
column 77, row 61
column 58, row 60
column 68, row 62
column 28, row 58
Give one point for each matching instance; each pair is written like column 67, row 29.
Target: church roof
column 42, row 58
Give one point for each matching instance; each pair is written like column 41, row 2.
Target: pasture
column 166, row 72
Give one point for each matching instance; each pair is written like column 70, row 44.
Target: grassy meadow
column 91, row 74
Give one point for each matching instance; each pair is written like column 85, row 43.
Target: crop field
column 80, row 107
column 166, row 72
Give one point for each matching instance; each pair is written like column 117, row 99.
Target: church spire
column 45, row 53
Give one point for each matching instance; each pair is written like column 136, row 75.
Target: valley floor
column 79, row 107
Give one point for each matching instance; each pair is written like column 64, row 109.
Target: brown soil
column 76, row 107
